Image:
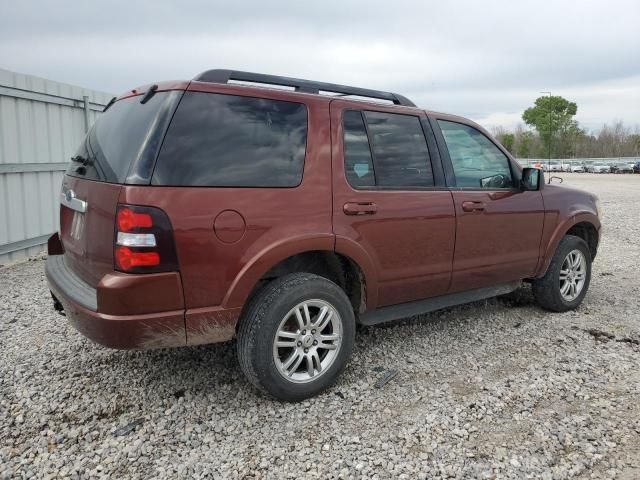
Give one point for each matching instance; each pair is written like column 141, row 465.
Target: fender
column 582, row 216
column 265, row 259
column 353, row 250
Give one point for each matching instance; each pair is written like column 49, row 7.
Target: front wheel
column 296, row 336
column 566, row 282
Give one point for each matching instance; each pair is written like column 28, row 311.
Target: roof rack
column 305, row 86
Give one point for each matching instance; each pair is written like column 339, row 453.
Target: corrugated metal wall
column 41, row 125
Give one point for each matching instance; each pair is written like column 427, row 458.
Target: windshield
column 117, row 138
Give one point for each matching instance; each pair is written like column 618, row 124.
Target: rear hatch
column 120, row 148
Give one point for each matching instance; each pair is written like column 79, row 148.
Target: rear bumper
column 116, row 313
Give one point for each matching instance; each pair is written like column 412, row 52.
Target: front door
column 498, row 227
column 389, row 201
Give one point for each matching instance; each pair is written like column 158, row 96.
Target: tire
column 271, row 312
column 547, row 290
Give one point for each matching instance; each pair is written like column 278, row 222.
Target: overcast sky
column 487, row 60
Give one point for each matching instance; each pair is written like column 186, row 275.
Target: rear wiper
column 83, row 160
column 111, row 102
column 150, row 93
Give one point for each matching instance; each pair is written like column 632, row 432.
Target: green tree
column 525, row 144
column 551, row 115
column 507, row 140
column 567, row 141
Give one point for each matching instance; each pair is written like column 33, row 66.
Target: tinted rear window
column 230, row 141
column 117, row 138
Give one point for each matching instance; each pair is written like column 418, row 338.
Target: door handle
column 360, row 208
column 472, row 206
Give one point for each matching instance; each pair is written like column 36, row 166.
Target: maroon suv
column 199, row 211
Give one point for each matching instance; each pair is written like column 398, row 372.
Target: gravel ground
column 496, row 389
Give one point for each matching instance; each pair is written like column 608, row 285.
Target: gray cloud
column 487, row 60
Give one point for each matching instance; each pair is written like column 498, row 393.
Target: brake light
column 127, row 258
column 128, row 220
column 143, row 240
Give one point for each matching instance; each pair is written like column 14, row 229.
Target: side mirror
column 532, row 179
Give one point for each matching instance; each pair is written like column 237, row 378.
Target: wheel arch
column 585, row 225
column 306, row 254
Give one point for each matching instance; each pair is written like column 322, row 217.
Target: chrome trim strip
column 68, row 199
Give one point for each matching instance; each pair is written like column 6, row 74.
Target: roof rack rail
column 306, row 86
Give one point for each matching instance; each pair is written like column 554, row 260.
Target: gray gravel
column 496, row 389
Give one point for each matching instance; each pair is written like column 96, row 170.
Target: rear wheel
column 296, row 336
column 567, row 280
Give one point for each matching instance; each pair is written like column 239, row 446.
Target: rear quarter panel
column 218, row 275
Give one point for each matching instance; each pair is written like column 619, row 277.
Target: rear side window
column 358, row 164
column 118, row 138
column 231, row 141
column 393, row 144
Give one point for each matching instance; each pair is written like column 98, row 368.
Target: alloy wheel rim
column 573, row 274
column 307, row 341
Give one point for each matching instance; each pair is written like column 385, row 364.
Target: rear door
column 498, row 227
column 390, row 199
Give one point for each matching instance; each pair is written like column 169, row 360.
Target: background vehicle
column 636, row 167
column 576, row 168
column 621, row 168
column 196, row 212
column 555, row 167
column 598, row 168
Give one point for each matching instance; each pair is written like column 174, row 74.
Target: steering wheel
column 499, row 180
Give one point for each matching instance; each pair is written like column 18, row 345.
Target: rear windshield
column 117, row 138
column 219, row 140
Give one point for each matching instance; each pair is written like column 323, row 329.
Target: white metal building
column 42, row 123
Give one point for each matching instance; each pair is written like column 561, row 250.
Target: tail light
column 143, row 240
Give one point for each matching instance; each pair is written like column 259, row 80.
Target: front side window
column 477, row 162
column 390, row 151
column 219, row 140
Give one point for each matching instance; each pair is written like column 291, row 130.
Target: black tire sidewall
column 262, row 357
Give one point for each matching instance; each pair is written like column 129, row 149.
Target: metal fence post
column 85, row 99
